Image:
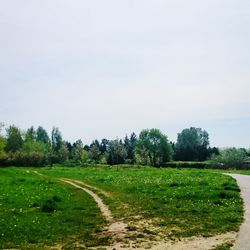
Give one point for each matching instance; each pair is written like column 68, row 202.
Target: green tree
column 14, row 141
column 104, row 146
column 59, row 152
column 77, row 152
column 153, row 145
column 192, row 145
column 85, row 157
column 62, row 153
column 42, row 135
column 33, row 152
column 35, row 146
column 94, row 153
column 30, row 134
column 2, row 142
column 130, row 144
column 230, row 158
column 142, row 156
column 117, row 153
column 57, row 140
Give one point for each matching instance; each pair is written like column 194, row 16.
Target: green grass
column 247, row 172
column 181, row 203
column 35, row 212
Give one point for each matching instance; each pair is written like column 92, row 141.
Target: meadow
column 39, row 210
column 36, row 212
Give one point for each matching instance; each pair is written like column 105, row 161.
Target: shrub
column 30, row 159
column 50, row 205
column 230, row 158
column 187, row 164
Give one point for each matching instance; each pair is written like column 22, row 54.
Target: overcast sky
column 107, row 68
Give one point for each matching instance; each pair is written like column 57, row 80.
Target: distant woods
column 36, row 147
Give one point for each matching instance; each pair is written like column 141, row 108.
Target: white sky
column 100, row 69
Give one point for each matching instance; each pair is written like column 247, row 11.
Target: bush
column 230, row 158
column 31, row 159
column 188, row 164
column 4, row 161
column 49, row 206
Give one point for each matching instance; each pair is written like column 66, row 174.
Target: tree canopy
column 230, row 157
column 14, row 140
column 192, row 145
column 34, row 147
column 153, row 148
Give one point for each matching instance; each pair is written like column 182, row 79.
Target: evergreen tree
column 14, row 141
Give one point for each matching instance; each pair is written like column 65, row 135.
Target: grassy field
column 35, row 212
column 193, row 202
column 244, row 172
column 175, row 203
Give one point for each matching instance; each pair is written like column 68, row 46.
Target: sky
column 104, row 69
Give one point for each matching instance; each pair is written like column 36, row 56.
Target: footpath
column 243, row 238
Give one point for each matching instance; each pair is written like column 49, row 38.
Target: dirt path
column 193, row 243
column 92, row 187
column 118, row 230
column 104, row 208
column 243, row 238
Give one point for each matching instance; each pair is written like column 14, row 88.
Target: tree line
column 35, row 147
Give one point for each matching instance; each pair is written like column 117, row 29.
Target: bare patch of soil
column 140, row 234
column 193, row 243
column 92, row 187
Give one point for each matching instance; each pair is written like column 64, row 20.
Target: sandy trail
column 91, row 187
column 103, row 207
column 193, row 243
column 118, row 230
column 243, row 238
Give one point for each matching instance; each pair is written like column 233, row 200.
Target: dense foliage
column 153, row 148
column 193, row 145
column 35, row 147
column 230, row 157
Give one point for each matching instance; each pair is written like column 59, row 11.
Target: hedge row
column 201, row 165
column 36, row 159
column 20, row 159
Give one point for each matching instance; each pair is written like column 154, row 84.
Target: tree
column 104, row 146
column 42, row 135
column 85, row 157
column 230, row 158
column 57, row 140
column 34, row 146
column 63, row 153
column 14, row 141
column 77, row 152
column 192, row 145
column 2, row 142
column 94, row 152
column 30, row 134
column 70, row 148
column 130, row 144
column 33, row 152
column 116, row 152
column 95, row 143
column 154, row 147
column 59, row 152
